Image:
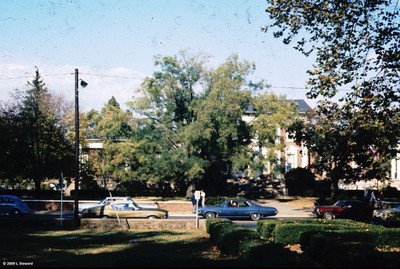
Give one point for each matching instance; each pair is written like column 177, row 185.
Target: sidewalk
column 288, row 211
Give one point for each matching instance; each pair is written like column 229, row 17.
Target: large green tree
column 356, row 44
column 191, row 116
column 165, row 113
column 36, row 141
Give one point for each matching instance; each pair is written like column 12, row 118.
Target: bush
column 325, row 243
column 292, row 231
column 230, row 238
column 300, row 181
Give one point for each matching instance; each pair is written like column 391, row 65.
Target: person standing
column 372, row 199
column 380, row 200
column 194, row 202
column 203, row 198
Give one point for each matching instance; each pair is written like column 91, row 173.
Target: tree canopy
column 34, row 139
column 356, row 44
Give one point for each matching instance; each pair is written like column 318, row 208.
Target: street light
column 83, row 84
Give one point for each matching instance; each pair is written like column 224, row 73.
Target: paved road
column 285, row 211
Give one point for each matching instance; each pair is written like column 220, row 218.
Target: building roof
column 302, row 105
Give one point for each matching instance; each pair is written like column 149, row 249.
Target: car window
column 340, row 203
column 8, row 201
column 243, row 204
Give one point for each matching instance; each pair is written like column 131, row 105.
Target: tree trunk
column 38, row 184
column 334, row 187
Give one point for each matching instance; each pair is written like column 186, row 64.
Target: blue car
column 238, row 209
column 13, row 206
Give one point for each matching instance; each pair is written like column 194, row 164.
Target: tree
column 218, row 134
column 38, row 143
column 356, row 44
column 165, row 112
column 114, row 127
column 191, row 127
column 272, row 112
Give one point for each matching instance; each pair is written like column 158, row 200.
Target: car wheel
column 210, row 215
column 15, row 212
column 255, row 216
column 152, row 217
column 105, row 217
column 328, row 215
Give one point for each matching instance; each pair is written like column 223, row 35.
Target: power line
column 128, row 77
column 31, row 76
column 302, row 88
column 68, row 74
column 110, row 76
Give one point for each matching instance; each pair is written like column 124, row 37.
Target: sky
column 113, row 44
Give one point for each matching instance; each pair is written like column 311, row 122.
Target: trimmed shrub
column 214, row 227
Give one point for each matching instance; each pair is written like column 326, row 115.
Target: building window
column 291, row 158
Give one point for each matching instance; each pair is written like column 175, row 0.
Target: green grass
column 110, row 248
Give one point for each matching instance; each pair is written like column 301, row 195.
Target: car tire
column 255, row 216
column 328, row 215
column 210, row 215
column 15, row 212
column 152, row 217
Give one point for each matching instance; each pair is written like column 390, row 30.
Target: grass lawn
column 109, row 248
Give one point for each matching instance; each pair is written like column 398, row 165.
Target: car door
column 350, row 210
column 6, row 205
column 228, row 210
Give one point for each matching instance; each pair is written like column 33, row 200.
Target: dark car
column 237, row 209
column 344, row 209
column 13, row 206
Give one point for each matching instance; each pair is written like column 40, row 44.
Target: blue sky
column 113, row 44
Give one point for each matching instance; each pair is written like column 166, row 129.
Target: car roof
column 9, row 196
column 354, row 201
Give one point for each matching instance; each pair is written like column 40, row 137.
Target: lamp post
column 76, row 207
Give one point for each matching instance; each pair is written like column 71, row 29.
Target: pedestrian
column 203, row 198
column 366, row 190
column 372, row 199
column 380, row 200
column 194, row 202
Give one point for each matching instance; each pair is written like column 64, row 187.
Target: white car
column 390, row 215
column 116, row 199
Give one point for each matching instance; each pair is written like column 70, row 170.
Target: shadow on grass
column 110, row 248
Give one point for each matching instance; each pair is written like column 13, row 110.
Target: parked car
column 128, row 209
column 238, row 209
column 11, row 205
column 389, row 216
column 110, row 199
column 344, row 209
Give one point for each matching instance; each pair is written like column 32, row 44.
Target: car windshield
column 339, row 203
column 115, row 199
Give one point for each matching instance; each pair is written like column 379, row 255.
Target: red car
column 344, row 209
